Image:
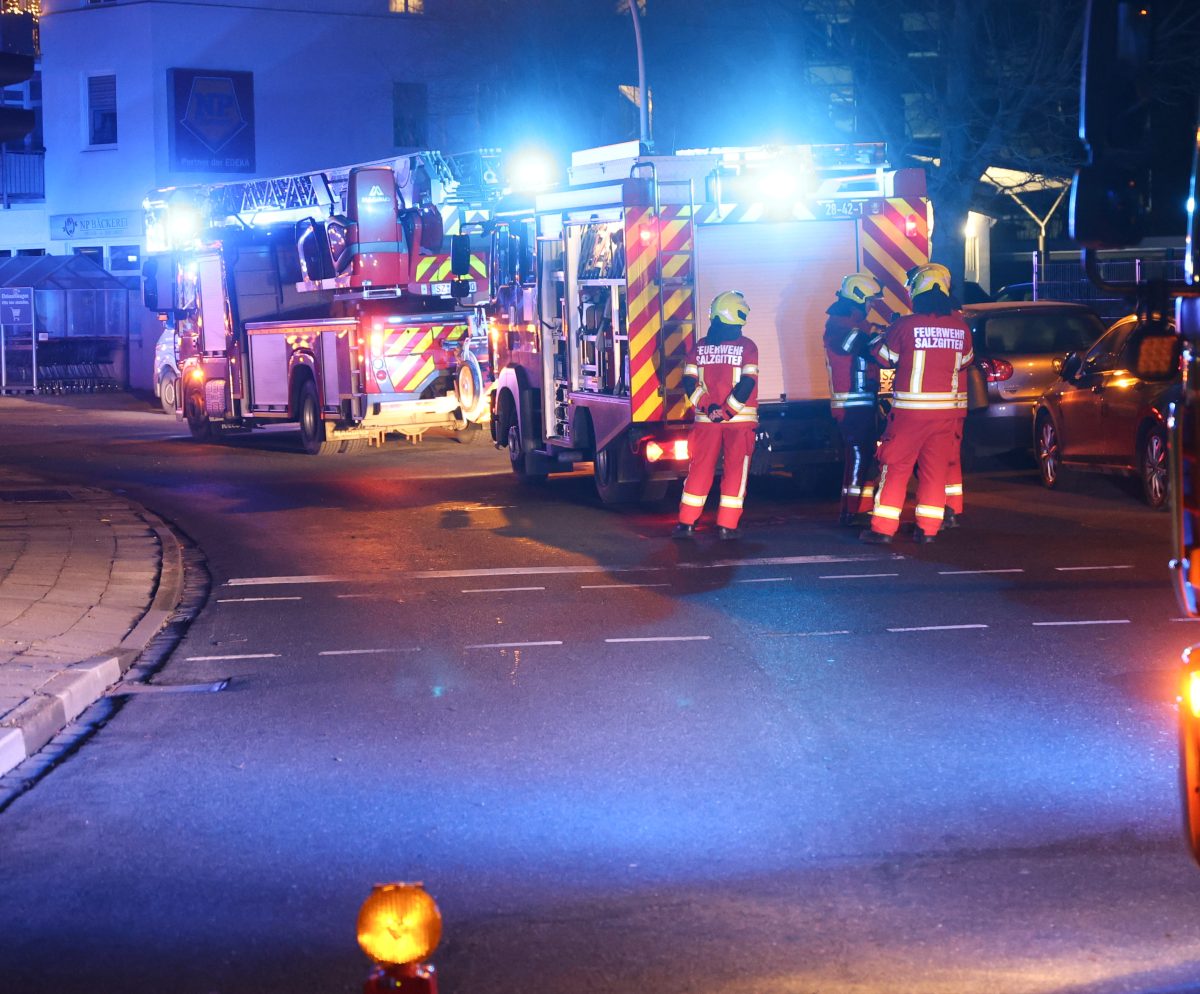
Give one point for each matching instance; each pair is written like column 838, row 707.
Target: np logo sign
column 212, row 121
column 213, row 114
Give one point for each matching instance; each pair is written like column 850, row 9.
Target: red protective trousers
column 705, row 444
column 934, row 438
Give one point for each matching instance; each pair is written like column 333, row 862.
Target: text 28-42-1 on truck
column 602, row 288
column 357, row 324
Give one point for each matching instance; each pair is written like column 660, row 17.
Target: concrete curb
column 33, row 724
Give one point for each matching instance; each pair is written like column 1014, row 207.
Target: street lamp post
column 643, row 96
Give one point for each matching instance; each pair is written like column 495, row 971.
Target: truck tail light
column 674, row 450
column 995, row 370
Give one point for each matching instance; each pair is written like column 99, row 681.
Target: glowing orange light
column 398, row 924
column 681, row 448
column 1191, row 689
column 654, row 452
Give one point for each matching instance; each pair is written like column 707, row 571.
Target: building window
column 102, row 110
column 123, row 258
column 406, row 6
column 410, row 115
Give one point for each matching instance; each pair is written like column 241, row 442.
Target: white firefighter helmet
column 860, row 288
column 730, row 307
column 931, row 276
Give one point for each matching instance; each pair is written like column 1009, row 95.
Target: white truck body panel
column 789, row 272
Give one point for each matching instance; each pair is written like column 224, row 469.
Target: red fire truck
column 358, row 322
column 600, row 289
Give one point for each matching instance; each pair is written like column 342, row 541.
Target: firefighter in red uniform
column 854, row 390
column 930, row 350
column 721, row 380
column 954, row 477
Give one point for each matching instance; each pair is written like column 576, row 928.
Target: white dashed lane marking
column 500, row 590
column 254, row 600
column 664, row 638
column 511, row 645
column 267, row 581
column 1084, row 569
column 362, row 652
column 1099, row 621
column 248, row 655
column 855, row 576
column 619, row 586
column 767, row 579
column 936, row 628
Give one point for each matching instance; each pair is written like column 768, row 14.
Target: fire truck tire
column 168, row 383
column 468, row 389
column 312, row 427
column 606, row 474
column 196, row 412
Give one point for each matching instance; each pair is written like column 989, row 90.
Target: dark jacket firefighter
column 854, row 389
column 721, row 381
column 930, row 350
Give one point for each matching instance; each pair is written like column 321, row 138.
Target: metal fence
column 1066, row 280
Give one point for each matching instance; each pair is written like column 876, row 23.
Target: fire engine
column 600, row 288
column 345, row 300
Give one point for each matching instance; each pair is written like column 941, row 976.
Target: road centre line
column 1080, row 569
column 801, row 635
column 254, row 600
column 265, row 581
column 1101, row 621
column 855, row 576
column 499, row 590
column 464, row 574
column 363, row 652
column 665, row 638
column 619, row 586
column 449, row 574
column 936, row 628
column 250, row 655
column 972, row 572
column 510, row 645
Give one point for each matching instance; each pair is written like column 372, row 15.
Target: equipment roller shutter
column 789, row 272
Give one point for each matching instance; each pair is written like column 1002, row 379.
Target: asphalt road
column 787, row 764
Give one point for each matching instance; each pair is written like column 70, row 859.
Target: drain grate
column 34, row 496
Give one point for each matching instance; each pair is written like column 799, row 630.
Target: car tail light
column 995, row 370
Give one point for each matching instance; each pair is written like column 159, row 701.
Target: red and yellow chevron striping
column 406, row 358
column 661, row 308
column 892, row 243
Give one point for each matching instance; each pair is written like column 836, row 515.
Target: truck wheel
column 168, row 384
column 196, row 412
column 606, row 473
column 312, row 426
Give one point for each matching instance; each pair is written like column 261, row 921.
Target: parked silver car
column 1019, row 349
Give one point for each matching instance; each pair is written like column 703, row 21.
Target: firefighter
column 930, row 350
column 854, row 390
column 721, row 381
column 954, row 478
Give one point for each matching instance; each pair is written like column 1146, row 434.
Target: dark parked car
column 1102, row 416
column 1019, row 349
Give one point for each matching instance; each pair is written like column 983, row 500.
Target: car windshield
column 1053, row 332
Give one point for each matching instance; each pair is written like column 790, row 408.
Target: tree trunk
column 950, row 209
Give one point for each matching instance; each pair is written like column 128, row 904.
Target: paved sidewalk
column 86, row 580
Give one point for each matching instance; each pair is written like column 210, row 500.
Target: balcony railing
column 22, row 177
